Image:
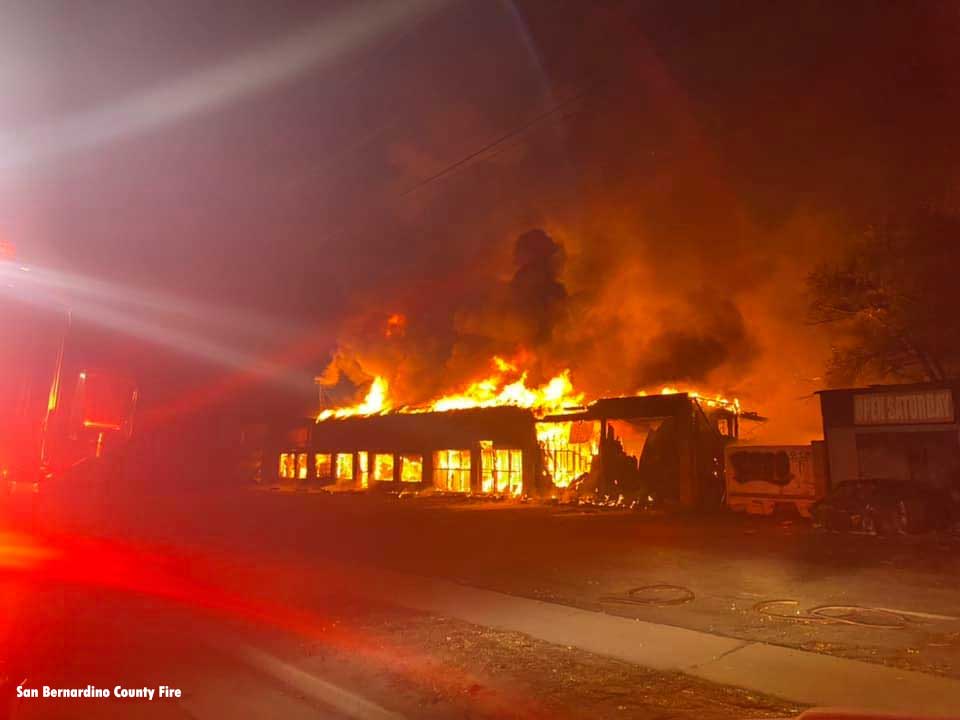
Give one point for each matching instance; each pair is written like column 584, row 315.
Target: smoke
column 660, row 233
column 519, row 317
column 526, row 311
column 532, row 319
column 690, row 354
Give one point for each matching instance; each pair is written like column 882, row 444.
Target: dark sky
column 256, row 159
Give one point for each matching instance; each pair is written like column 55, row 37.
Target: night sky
column 290, row 174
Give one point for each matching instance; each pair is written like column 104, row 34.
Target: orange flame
column 495, row 391
column 506, row 386
column 491, row 392
column 502, row 388
column 375, row 403
column 713, row 401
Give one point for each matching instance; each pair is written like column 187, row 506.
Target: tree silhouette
column 893, row 301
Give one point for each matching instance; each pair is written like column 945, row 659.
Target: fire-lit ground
column 422, row 666
column 294, row 649
column 238, row 570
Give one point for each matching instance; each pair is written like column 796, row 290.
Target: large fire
column 553, row 396
column 505, row 386
column 569, row 447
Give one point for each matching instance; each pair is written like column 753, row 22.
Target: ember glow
column 710, row 400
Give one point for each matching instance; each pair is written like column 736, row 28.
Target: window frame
column 446, row 471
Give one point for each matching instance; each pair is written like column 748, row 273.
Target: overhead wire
column 509, row 135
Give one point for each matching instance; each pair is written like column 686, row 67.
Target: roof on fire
column 451, row 429
column 636, row 406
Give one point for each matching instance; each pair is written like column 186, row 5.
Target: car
column 884, row 507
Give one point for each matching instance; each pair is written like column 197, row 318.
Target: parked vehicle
column 885, row 507
column 761, row 479
column 55, row 412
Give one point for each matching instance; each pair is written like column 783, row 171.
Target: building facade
column 667, row 446
column 892, row 432
column 490, row 451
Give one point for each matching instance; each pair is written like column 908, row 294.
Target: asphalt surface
column 723, row 567
column 257, row 544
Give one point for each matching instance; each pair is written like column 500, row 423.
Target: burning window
column 568, row 449
column 344, row 467
column 324, row 466
column 501, row 470
column 411, row 468
column 383, row 467
column 451, row 470
column 288, row 467
column 363, row 468
column 487, row 460
column 303, row 466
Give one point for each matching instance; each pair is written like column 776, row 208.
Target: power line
column 453, row 167
column 515, row 132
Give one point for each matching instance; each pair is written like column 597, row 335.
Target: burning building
column 514, row 441
column 500, row 434
column 478, row 450
column 668, row 446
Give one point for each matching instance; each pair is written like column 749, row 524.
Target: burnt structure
column 669, row 446
column 893, row 432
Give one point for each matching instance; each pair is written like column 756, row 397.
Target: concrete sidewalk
column 795, row 675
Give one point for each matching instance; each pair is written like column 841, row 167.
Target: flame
column 501, row 388
column 496, row 391
column 375, row 403
column 504, row 366
column 566, row 458
column 505, row 386
column 569, row 447
column 713, row 401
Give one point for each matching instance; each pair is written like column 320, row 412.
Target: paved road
column 243, row 641
column 591, row 560
column 71, row 636
column 562, row 555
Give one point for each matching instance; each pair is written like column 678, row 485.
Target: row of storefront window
column 501, row 470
